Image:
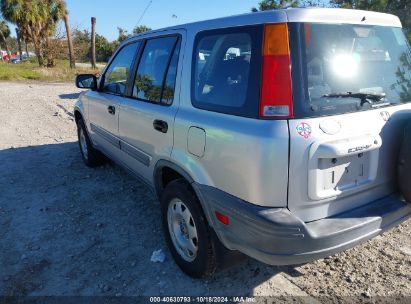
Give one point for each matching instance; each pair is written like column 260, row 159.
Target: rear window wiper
column 365, row 97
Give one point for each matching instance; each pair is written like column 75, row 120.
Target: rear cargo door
column 343, row 148
column 342, row 162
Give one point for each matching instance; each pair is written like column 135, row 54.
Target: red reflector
column 222, row 218
column 276, row 95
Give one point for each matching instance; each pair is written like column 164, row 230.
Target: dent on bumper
column 275, row 236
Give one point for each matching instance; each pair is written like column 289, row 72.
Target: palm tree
column 37, row 21
column 18, row 35
column 93, row 42
column 69, row 42
column 4, row 34
column 68, row 32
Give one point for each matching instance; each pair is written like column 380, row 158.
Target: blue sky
column 111, row 14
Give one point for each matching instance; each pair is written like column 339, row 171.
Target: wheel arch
column 225, row 256
column 78, row 113
column 165, row 172
column 174, row 171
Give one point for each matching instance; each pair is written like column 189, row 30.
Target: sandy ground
column 66, row 229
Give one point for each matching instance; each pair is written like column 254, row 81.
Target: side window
column 170, row 80
column 156, row 73
column 116, row 76
column 226, row 71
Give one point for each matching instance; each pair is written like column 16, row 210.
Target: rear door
column 147, row 117
column 104, row 104
column 343, row 149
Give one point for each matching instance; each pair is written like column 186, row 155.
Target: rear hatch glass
column 342, row 68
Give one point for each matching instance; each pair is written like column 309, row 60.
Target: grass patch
column 29, row 70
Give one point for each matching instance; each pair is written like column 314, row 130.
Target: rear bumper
column 275, row 236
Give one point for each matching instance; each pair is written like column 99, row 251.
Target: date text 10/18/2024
column 204, row 299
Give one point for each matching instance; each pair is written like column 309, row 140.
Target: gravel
column 66, row 229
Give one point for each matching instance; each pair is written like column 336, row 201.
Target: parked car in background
column 2, row 54
column 15, row 57
column 275, row 134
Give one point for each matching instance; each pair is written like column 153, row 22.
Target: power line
column 144, row 12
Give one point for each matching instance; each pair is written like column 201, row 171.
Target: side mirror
column 86, row 81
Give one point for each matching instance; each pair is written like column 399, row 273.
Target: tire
column 91, row 156
column 182, row 216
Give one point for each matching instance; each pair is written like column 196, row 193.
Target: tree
column 141, row 29
column 403, row 80
column 375, row 5
column 4, row 34
column 12, row 43
column 93, row 42
column 81, row 40
column 272, row 4
column 18, row 35
column 122, row 34
column 69, row 41
column 104, row 49
column 400, row 8
column 37, row 21
column 26, row 42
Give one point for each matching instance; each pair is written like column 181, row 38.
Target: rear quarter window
column 226, row 70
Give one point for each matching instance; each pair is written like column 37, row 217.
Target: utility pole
column 93, row 42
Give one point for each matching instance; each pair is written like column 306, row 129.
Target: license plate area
column 344, row 173
column 334, row 170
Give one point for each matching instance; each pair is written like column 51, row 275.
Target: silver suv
column 274, row 134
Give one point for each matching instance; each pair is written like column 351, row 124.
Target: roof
column 317, row 15
column 339, row 15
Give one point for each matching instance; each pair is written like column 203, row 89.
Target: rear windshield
column 340, row 68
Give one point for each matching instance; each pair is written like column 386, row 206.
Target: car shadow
column 66, row 229
column 70, row 96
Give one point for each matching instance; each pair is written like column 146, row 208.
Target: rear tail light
column 276, row 93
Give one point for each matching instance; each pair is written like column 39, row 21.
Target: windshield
column 339, row 68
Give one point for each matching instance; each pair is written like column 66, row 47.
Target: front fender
column 78, row 107
column 81, row 106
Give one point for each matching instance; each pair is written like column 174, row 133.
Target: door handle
column 111, row 110
column 160, row 125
